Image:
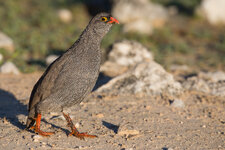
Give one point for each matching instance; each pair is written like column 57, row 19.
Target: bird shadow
column 102, row 79
column 10, row 108
column 111, row 126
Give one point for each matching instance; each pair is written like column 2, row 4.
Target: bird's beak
column 113, row 20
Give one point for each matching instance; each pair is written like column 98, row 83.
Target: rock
column 77, row 125
column 125, row 54
column 213, row 76
column 1, row 57
column 177, row 103
column 9, row 67
column 148, row 78
column 36, row 138
column 6, row 42
column 143, row 15
column 128, row 132
column 195, row 83
column 112, row 69
column 65, row 15
column 50, row 59
column 213, row 11
column 180, row 68
column 129, row 53
column 211, row 83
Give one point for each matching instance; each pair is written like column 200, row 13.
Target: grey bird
column 71, row 77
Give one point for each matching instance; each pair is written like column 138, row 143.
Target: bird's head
column 102, row 23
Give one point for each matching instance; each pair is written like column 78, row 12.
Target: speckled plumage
column 70, row 78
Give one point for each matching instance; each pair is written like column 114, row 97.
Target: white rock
column 211, row 83
column 6, row 42
column 1, row 57
column 147, row 78
column 126, row 54
column 139, row 16
column 77, row 125
column 65, row 15
column 177, row 103
column 213, row 11
column 129, row 53
column 9, row 67
column 36, row 138
column 213, row 76
column 195, row 83
column 50, row 59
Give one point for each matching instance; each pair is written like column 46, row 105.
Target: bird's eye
column 104, row 19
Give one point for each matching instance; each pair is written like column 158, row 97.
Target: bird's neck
column 90, row 38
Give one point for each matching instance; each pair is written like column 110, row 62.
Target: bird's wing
column 45, row 84
column 66, row 79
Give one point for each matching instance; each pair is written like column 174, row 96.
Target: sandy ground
column 121, row 122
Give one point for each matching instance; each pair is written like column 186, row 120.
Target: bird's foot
column 75, row 132
column 82, row 135
column 42, row 133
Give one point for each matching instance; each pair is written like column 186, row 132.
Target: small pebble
column 50, row 59
column 9, row 67
column 128, row 132
column 36, row 138
column 77, row 125
column 1, row 57
column 177, row 103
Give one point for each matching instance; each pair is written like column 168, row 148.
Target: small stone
column 77, row 125
column 65, row 15
column 9, row 67
column 177, row 103
column 99, row 115
column 1, row 58
column 6, row 42
column 36, row 138
column 128, row 148
column 128, row 132
column 50, row 59
column 204, row 126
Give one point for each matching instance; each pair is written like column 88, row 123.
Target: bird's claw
column 82, row 135
column 42, row 133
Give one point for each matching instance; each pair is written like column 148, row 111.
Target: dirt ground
column 120, row 122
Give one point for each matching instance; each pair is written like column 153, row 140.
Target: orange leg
column 37, row 127
column 75, row 132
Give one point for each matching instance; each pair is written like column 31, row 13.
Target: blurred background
column 190, row 32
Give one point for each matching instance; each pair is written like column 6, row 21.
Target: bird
column 71, row 77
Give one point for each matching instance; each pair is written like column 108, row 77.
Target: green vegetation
column 37, row 32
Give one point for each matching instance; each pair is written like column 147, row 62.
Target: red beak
column 113, row 20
